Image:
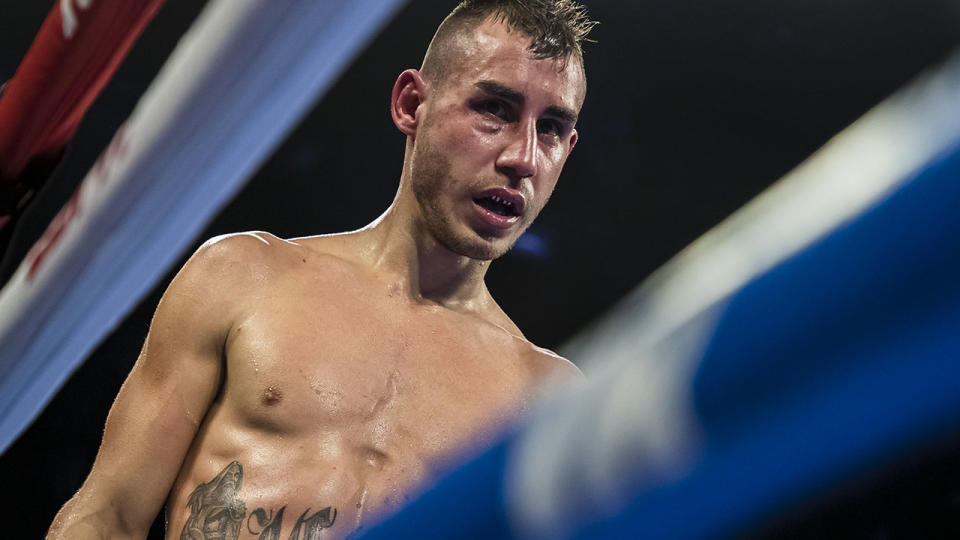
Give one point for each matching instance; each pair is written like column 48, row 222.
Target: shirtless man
column 296, row 388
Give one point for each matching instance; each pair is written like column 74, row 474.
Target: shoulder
column 543, row 363
column 342, row 247
column 225, row 267
column 252, row 262
column 256, row 255
column 241, row 247
column 550, row 365
column 212, row 290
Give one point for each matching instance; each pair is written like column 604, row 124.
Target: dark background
column 692, row 109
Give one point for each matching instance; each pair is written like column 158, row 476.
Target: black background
column 693, row 108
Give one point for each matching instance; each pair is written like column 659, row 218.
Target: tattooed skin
column 314, row 524
column 270, row 524
column 216, row 513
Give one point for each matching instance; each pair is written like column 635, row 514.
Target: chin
column 480, row 250
column 476, row 247
column 462, row 239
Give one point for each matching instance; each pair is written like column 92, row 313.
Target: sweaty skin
column 297, row 389
column 352, row 395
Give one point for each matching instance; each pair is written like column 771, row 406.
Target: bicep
column 149, row 431
column 159, row 409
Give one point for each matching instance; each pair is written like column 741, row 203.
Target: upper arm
column 158, row 410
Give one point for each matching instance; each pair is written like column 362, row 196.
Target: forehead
column 491, row 52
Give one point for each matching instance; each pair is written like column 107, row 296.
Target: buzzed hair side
column 557, row 29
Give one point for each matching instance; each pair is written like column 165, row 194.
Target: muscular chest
column 376, row 372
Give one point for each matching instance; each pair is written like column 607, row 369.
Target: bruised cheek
column 461, row 140
column 486, row 127
column 472, row 142
column 471, row 129
column 463, row 135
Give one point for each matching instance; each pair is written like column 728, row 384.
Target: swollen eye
column 493, row 107
column 547, row 126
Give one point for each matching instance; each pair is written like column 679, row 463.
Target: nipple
column 271, row 396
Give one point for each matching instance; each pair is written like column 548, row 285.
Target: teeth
column 497, row 199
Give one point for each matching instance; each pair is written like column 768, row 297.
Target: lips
column 500, row 207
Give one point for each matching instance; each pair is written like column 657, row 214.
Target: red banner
column 78, row 48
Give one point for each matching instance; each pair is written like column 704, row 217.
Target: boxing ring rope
column 237, row 83
column 808, row 339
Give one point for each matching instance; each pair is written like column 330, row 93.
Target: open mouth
column 498, row 205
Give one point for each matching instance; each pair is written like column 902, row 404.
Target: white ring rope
column 237, row 83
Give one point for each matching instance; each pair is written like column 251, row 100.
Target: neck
column 398, row 245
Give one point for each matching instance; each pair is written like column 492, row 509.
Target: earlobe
column 408, row 93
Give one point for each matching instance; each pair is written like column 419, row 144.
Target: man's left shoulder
column 550, row 365
column 543, row 363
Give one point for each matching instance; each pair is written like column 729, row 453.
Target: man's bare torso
column 340, row 394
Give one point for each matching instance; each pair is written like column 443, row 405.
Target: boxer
column 298, row 388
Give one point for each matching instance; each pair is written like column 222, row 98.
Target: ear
column 409, row 92
column 574, row 137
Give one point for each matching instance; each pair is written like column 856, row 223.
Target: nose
column 518, row 160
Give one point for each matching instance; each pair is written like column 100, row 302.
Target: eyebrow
column 505, row 92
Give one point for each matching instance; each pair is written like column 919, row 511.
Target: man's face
column 492, row 140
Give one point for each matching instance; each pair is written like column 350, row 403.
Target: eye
column 550, row 127
column 493, row 107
